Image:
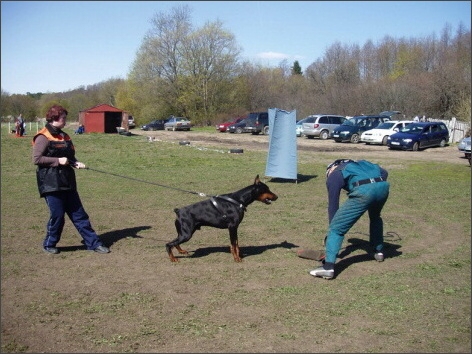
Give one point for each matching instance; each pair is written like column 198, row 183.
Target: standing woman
column 54, row 155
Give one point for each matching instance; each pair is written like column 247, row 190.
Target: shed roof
column 103, row 108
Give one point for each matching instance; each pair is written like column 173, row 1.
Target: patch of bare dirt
column 247, row 141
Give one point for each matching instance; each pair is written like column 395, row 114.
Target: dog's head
column 263, row 193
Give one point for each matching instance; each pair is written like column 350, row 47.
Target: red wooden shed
column 103, row 118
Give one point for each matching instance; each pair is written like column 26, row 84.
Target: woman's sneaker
column 51, row 250
column 322, row 273
column 379, row 257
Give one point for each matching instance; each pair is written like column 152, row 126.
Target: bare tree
column 209, row 62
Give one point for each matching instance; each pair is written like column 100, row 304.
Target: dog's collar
column 231, row 200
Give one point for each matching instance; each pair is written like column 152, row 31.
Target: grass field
column 135, row 300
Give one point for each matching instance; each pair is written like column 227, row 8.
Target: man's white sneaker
column 379, row 257
column 322, row 273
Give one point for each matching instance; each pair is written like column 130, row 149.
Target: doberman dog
column 224, row 211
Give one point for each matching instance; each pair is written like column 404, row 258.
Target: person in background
column 54, row 156
column 80, row 129
column 20, row 126
column 368, row 190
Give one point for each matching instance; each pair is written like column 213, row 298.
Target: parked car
column 258, row 122
column 223, row 127
column 239, row 127
column 391, row 114
column 321, row 125
column 380, row 134
column 464, row 146
column 156, row 124
column 352, row 128
column 299, row 127
column 131, row 123
column 177, row 123
column 421, row 135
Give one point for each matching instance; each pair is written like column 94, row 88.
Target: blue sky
column 51, row 46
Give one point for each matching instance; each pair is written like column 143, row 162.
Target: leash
column 143, row 181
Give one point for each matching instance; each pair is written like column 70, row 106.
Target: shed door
column 112, row 120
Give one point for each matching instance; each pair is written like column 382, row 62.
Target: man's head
column 332, row 166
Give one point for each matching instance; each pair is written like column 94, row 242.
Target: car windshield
column 413, row 128
column 385, row 125
column 351, row 121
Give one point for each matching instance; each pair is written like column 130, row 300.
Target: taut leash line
column 143, row 181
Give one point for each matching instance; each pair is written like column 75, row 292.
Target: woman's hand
column 79, row 165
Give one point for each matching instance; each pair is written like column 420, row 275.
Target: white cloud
column 273, row 55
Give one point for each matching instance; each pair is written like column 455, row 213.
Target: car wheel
column 266, row 130
column 355, row 138
column 442, row 143
column 324, row 135
column 238, row 130
column 415, row 147
column 151, row 129
column 384, row 140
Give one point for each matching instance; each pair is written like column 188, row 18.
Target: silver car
column 464, row 146
column 299, row 127
column 177, row 123
column 321, row 125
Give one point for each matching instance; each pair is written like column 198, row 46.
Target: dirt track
column 248, row 141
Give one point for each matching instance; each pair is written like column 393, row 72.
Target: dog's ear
column 257, row 180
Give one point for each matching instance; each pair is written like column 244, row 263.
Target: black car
column 258, row 122
column 238, row 128
column 156, row 124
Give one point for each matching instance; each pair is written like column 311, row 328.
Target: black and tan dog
column 224, row 211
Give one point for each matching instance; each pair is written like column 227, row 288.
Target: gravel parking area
column 328, row 147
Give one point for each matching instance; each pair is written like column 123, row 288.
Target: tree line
column 197, row 73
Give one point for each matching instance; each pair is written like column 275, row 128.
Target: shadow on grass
column 390, row 250
column 109, row 238
column 300, row 179
column 246, row 251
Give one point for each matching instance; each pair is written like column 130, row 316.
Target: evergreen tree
column 296, row 68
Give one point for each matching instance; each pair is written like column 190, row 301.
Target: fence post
column 453, row 121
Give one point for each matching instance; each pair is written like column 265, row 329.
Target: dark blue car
column 418, row 136
column 239, row 127
column 156, row 124
column 351, row 129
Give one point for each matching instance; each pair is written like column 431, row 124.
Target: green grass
column 418, row 300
